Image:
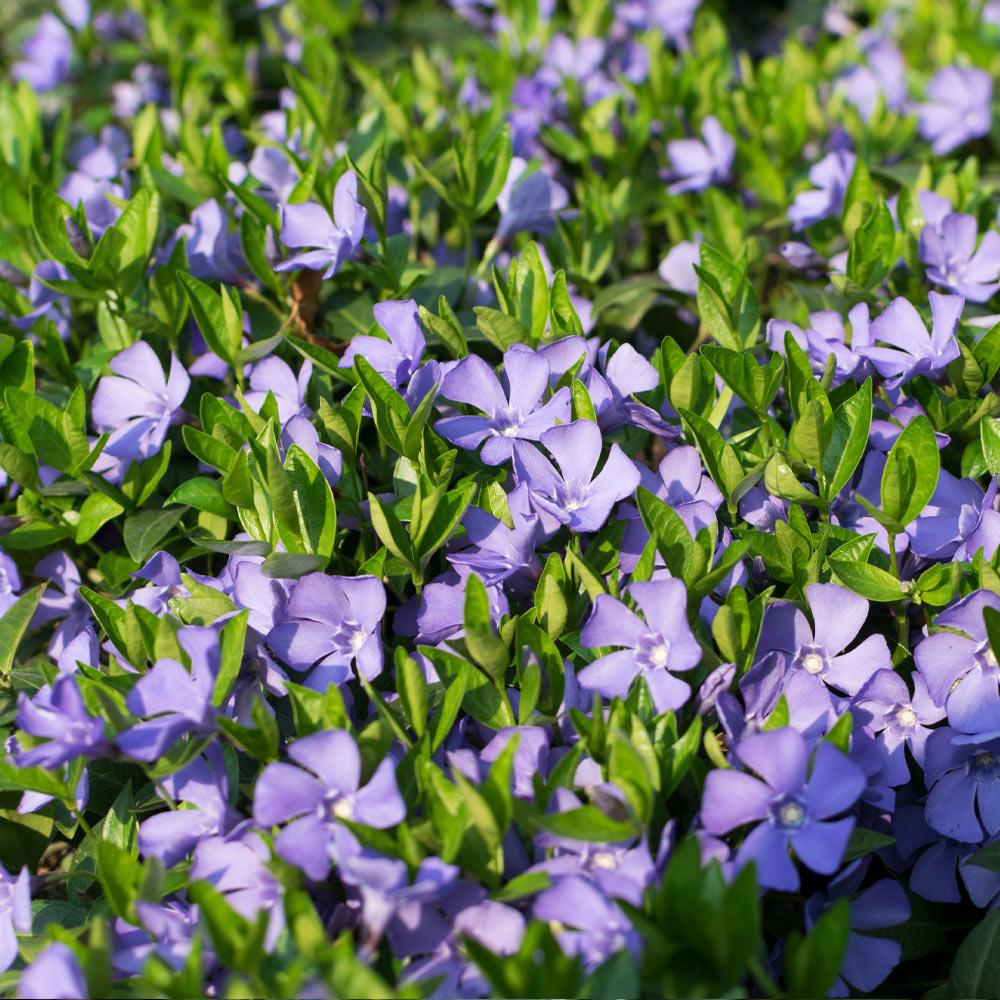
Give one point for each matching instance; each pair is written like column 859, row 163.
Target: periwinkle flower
column 868, row 959
column 175, row 701
column 574, row 495
column 700, row 164
column 322, row 790
column 963, row 775
column 957, row 108
column 612, row 386
column 911, row 350
column 236, row 865
column 46, row 55
column 166, row 931
column 677, row 269
column 898, row 719
column 529, row 199
column 46, row 301
column 830, row 177
column 828, row 335
column 512, row 410
column 959, row 666
column 883, row 76
column 958, row 521
column 332, row 622
column 682, row 483
column 138, row 403
column 15, row 913
column 813, row 657
column 213, row 252
column 58, row 718
column 310, row 225
column 500, row 553
column 397, row 358
column 273, row 375
column 952, row 259
column 790, row 809
column 56, row 974
column 10, row 582
column 593, row 927
column 275, row 171
column 202, row 784
column 655, row 646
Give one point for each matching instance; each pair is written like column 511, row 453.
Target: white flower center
column 791, row 814
column 812, row 663
column 605, row 860
column 905, row 716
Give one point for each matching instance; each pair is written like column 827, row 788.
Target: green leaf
column 813, row 963
column 975, row 972
column 586, row 823
column 389, row 410
column 412, row 688
column 145, row 530
column 484, row 645
column 14, row 624
column 989, row 436
column 315, row 507
column 848, row 440
column 869, row 581
column 911, row 472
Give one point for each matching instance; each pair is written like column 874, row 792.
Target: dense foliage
column 499, row 498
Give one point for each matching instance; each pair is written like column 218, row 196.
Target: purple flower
column 611, row 390
column 959, row 520
column 275, row 171
column 499, row 553
column 654, row 648
column 899, row 720
column 790, row 810
column 164, row 930
column 55, row 975
column 332, row 622
column 276, row 376
column 10, row 582
column 698, row 165
column 61, row 601
column 399, row 357
column 138, row 403
column 963, row 773
column 953, row 261
column 830, row 178
column 309, row 225
column 46, row 301
column 868, row 959
column 684, row 485
column 58, row 717
column 574, row 496
column 324, row 789
column 959, row 666
column 237, row 866
column 177, row 700
column 813, row 658
column 912, row 351
column 513, row 409
column 884, row 76
column 595, row 928
column 172, row 835
column 46, row 55
column 827, row 335
column 529, row 199
column 212, row 250
column 957, row 108
column 15, row 913
column 677, row 269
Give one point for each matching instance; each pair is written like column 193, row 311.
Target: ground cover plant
column 499, row 498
